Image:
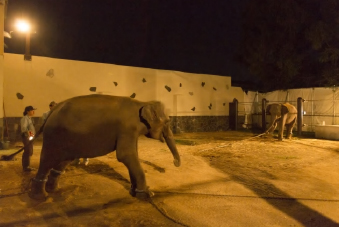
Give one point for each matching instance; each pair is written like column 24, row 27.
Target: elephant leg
column 139, row 187
column 289, row 128
column 53, row 178
column 38, row 185
column 127, row 153
column 38, row 191
column 281, row 127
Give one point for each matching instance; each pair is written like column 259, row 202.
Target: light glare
column 23, row 26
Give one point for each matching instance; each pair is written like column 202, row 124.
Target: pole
column 28, row 56
column 300, row 114
column 333, row 117
column 2, row 25
column 263, row 114
column 233, row 114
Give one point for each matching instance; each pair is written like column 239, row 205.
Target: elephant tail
column 40, row 131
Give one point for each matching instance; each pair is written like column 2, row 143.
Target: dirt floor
column 226, row 179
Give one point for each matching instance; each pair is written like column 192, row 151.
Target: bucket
column 5, row 145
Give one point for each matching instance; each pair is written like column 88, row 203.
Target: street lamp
column 24, row 27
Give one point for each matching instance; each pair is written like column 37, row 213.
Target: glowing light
column 23, row 26
column 31, row 137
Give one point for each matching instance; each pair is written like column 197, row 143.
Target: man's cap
column 52, row 103
column 29, row 108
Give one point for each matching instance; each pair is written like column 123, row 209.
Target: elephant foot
column 51, row 187
column 52, row 184
column 132, row 191
column 38, row 190
column 141, row 194
column 280, row 139
column 144, row 195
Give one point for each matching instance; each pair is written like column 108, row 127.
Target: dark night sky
column 191, row 35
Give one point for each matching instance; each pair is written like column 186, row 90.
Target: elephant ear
column 274, row 109
column 153, row 113
column 284, row 109
column 268, row 108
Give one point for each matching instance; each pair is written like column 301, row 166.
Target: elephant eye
column 155, row 114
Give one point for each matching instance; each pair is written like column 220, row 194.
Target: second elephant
column 282, row 115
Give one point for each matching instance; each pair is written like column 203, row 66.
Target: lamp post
column 24, row 27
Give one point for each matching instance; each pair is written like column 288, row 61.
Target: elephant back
column 290, row 108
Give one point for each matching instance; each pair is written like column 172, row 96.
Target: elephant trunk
column 168, row 136
column 271, row 126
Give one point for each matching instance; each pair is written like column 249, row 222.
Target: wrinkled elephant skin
column 282, row 115
column 95, row 125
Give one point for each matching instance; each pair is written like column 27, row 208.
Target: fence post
column 333, row 118
column 263, row 114
column 300, row 114
column 233, row 113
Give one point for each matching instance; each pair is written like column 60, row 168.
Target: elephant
column 282, row 114
column 95, row 125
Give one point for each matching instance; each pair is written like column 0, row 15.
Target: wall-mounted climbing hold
column 168, row 88
column 50, row 73
column 19, row 96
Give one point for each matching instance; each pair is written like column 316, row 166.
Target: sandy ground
column 226, row 179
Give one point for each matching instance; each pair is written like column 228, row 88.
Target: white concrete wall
column 39, row 86
column 191, row 94
column 2, row 28
column 330, row 132
column 1, row 86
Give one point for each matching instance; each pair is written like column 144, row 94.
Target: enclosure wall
column 188, row 97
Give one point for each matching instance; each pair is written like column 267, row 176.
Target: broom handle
column 12, row 155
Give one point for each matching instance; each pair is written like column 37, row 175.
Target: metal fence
column 320, row 107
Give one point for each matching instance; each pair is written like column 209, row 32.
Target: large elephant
column 95, row 125
column 282, row 114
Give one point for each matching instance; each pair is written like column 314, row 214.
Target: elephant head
column 158, row 126
column 276, row 111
